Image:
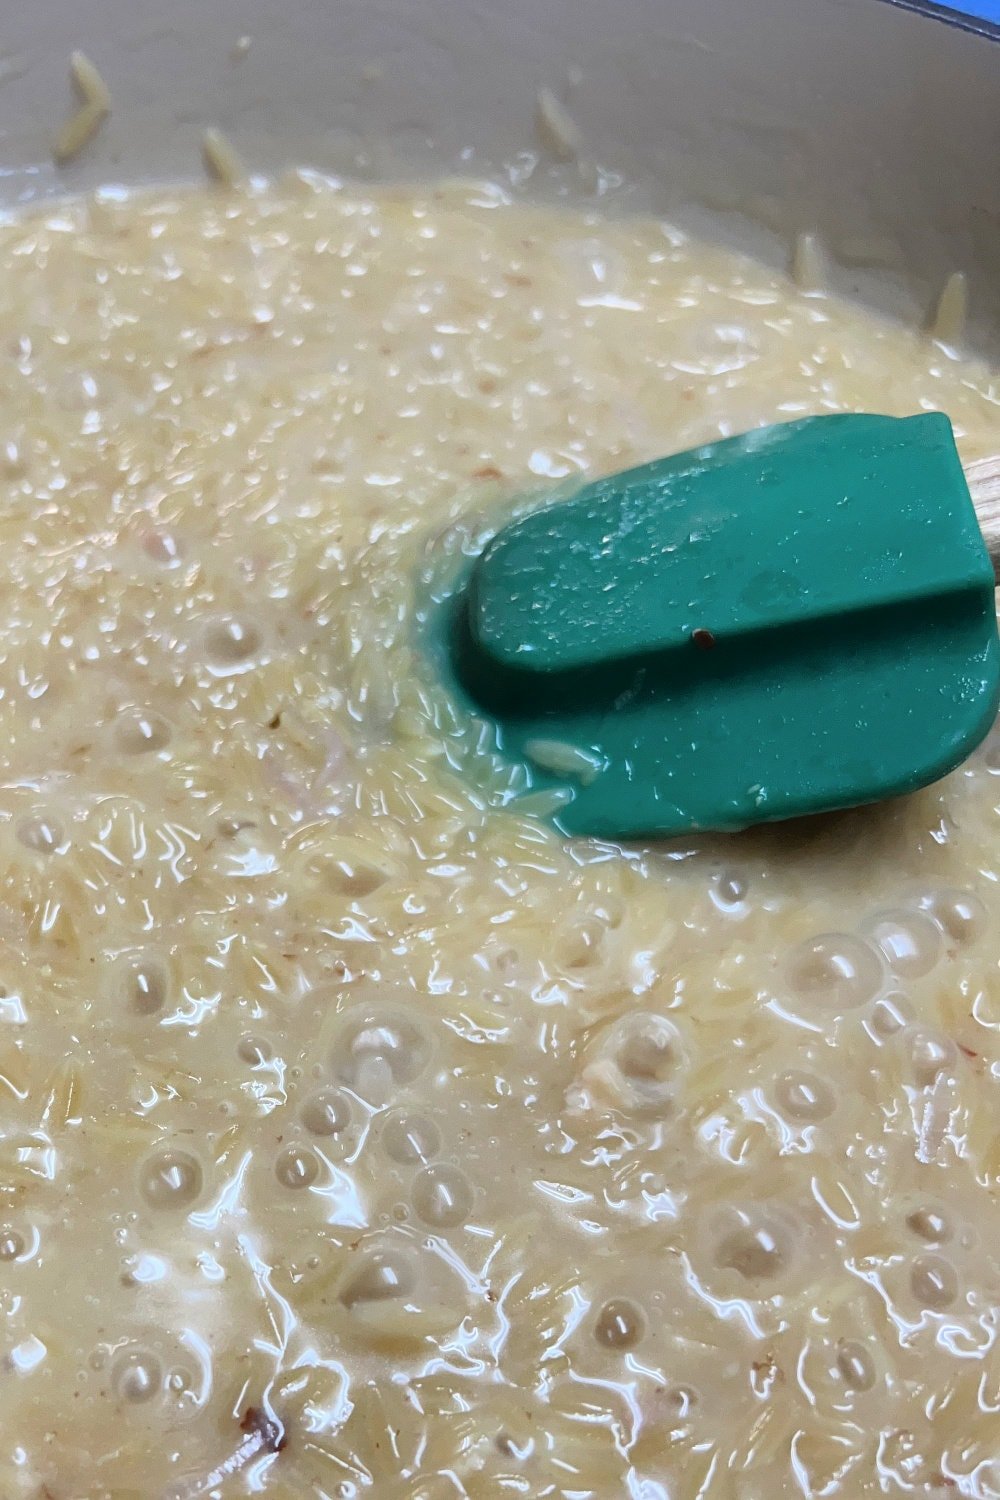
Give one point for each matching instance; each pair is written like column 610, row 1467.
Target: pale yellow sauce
column 336, row 1099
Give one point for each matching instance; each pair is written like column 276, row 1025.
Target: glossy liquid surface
column 358, row 1135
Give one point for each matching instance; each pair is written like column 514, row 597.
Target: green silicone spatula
column 783, row 623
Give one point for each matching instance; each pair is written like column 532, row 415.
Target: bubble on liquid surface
column 163, row 547
column 934, row 1282
column 854, row 1365
column 297, row 1167
column 41, row 833
column 581, row 946
column 729, row 890
column 137, row 1375
column 326, row 1112
column 255, row 1050
column 410, row 1139
column 171, row 1179
column 759, row 1241
column 378, row 1049
column 889, row 1015
column 909, row 941
column 381, row 1275
column 145, row 983
column 231, row 640
column 647, row 1048
column 141, row 732
column 804, row 1096
column 931, row 1223
column 682, row 1399
column 11, row 1243
column 620, row 1324
column 835, row 971
column 647, row 1061
column 442, row 1196
column 931, row 1054
column 961, row 915
column 354, row 878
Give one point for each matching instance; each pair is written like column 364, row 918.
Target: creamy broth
column 359, row 1133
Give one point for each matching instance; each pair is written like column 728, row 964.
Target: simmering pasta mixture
column 360, row 1134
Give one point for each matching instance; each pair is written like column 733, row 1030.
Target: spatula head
column 793, row 621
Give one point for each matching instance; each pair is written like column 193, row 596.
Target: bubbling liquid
column 909, row 941
column 759, row 1242
column 232, row 641
column 804, row 1096
column 137, row 1376
column 960, row 914
column 41, row 833
column 411, row 1138
column 145, row 984
column 171, row 1179
column 442, row 1196
column 930, row 1223
column 854, row 1365
column 378, row 1050
column 142, row 733
column 934, row 1282
column 836, row 971
column 11, row 1244
column 359, row 1134
column 383, row 1275
column 297, row 1167
column 620, row 1324
column 327, row 1112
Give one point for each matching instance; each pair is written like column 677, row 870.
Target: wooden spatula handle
column 983, row 478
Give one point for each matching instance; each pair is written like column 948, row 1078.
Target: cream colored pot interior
column 872, row 125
